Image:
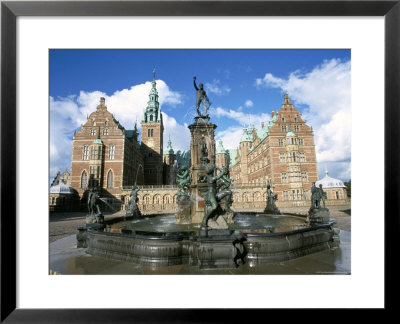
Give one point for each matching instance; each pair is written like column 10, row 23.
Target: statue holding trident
column 201, row 97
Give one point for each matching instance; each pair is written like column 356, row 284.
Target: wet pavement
column 65, row 258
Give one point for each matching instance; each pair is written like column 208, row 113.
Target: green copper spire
column 220, row 148
column 170, row 150
column 152, row 112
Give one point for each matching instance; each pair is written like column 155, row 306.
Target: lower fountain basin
column 253, row 239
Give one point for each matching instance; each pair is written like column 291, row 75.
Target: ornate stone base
column 94, row 219
column 133, row 213
column 229, row 217
column 318, row 216
column 184, row 213
column 219, row 223
column 272, row 211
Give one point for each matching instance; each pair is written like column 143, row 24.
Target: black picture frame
column 10, row 10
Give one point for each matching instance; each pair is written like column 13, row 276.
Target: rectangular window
column 296, row 128
column 86, row 152
column 282, row 157
column 105, row 131
column 284, row 177
column 301, row 142
column 280, row 142
column 111, row 152
column 304, row 176
column 285, row 195
column 93, row 132
column 302, row 157
column 283, row 128
column 95, row 152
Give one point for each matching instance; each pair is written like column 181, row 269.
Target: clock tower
column 152, row 138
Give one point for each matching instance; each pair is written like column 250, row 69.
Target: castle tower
column 152, row 138
column 221, row 155
column 169, row 164
column 245, row 145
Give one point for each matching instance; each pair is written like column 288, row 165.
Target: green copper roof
column 97, row 141
column 220, row 148
column 262, row 133
column 247, row 135
column 290, row 133
column 272, row 121
column 232, row 156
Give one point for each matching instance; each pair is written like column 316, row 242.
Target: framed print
column 62, row 69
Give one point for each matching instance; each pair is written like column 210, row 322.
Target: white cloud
column 179, row 134
column 230, row 137
column 216, row 88
column 326, row 93
column 127, row 105
column 239, row 116
column 249, row 103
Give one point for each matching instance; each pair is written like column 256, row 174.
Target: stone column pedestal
column 202, row 131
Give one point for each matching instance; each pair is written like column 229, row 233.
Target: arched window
column 167, row 199
column 156, row 200
column 84, row 179
column 110, row 179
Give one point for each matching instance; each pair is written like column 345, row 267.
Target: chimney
column 273, row 113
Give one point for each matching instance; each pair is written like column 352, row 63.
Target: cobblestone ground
column 66, row 224
column 342, row 214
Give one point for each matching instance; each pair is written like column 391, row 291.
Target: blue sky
column 244, row 86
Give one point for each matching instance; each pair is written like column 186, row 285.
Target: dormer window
column 295, row 119
column 106, row 123
column 283, row 119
